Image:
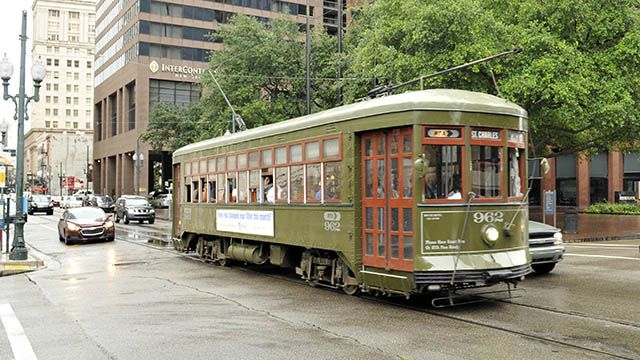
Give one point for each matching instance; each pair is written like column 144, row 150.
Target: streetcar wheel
column 224, row 262
column 543, row 268
column 351, row 290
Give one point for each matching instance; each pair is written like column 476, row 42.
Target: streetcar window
column 332, row 181
column 212, row 189
column 407, row 227
column 312, row 151
column 221, row 164
column 254, row 160
column 194, row 168
column 297, row 184
column 211, row 165
column 203, row 166
column 368, row 150
column 443, row 177
column 395, row 181
column 368, row 178
column 268, row 191
column 204, row 197
column 295, row 153
column 380, row 188
column 267, row 157
column 407, row 175
column 485, row 170
column 221, row 188
column 187, row 168
column 330, row 148
column 231, row 162
column 282, row 184
column 516, row 172
column 254, row 186
column 242, row 161
column 314, row 183
column 232, row 186
column 281, row 155
column 242, row 187
column 187, row 193
column 194, row 186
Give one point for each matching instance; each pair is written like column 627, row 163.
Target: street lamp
column 38, row 72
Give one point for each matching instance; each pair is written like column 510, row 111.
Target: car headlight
column 490, row 235
column 557, row 238
column 73, row 227
column 108, row 224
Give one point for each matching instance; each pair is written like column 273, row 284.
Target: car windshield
column 104, row 199
column 40, row 198
column 137, row 202
column 87, row 213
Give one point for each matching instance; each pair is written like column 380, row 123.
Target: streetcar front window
column 516, row 172
column 443, row 178
column 485, row 170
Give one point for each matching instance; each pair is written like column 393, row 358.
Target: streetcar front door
column 387, row 199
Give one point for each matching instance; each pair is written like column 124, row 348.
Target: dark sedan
column 103, row 202
column 85, row 224
column 40, row 203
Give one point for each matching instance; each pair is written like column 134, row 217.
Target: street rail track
column 419, row 305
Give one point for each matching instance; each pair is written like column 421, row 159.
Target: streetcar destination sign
column 442, row 133
column 485, row 134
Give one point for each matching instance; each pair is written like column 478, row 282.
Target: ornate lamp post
column 38, row 72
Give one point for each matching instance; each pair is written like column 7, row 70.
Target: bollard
column 571, row 221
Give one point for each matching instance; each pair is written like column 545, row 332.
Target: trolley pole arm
column 388, row 88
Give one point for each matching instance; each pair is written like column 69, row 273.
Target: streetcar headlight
column 490, row 235
column 557, row 238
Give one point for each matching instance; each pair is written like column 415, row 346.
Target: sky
column 10, row 28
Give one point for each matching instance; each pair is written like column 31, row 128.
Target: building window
column 114, row 115
column 67, row 112
column 74, row 15
column 566, row 180
column 75, row 124
column 172, row 92
column 54, row 13
column 55, row 124
column 55, row 87
column 67, row 124
column 69, row 62
column 49, row 62
column 87, row 125
column 56, row 62
column 47, row 124
column 47, row 112
column 598, row 178
column 131, row 93
column 88, row 64
column 68, row 99
column 76, row 63
column 75, row 113
column 48, row 87
column 55, row 112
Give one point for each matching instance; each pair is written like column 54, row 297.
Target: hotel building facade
column 153, row 51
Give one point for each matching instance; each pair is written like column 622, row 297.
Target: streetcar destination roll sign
column 442, row 133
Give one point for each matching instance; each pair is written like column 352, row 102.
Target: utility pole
column 308, row 61
column 340, row 26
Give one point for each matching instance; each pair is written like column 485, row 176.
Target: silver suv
column 131, row 208
column 545, row 245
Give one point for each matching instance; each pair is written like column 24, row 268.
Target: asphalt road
column 136, row 298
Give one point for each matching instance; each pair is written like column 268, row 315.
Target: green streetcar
column 402, row 194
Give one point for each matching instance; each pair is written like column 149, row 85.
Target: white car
column 71, row 201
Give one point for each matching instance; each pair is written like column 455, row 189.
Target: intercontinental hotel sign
column 178, row 70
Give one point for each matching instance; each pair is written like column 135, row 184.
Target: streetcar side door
column 387, row 199
column 176, row 199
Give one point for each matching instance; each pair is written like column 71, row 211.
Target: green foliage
column 261, row 68
column 608, row 208
column 577, row 76
column 171, row 127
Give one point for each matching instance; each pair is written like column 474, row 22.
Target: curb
column 13, row 267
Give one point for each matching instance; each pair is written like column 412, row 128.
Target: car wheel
column 140, row 221
column 50, row 212
column 125, row 218
column 543, row 268
column 67, row 241
column 151, row 221
column 116, row 218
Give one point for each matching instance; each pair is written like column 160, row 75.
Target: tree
column 261, row 69
column 171, row 127
column 577, row 76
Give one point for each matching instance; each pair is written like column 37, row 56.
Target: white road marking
column 604, row 256
column 630, row 246
column 19, row 343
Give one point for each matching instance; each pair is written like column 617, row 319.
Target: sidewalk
column 595, row 227
column 10, row 267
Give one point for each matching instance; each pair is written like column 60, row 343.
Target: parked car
column 40, row 203
column 545, row 245
column 56, row 200
column 162, row 201
column 85, row 224
column 104, row 202
column 72, row 201
column 130, row 207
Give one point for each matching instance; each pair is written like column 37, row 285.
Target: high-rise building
column 151, row 51
column 59, row 144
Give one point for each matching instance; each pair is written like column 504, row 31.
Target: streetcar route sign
column 245, row 222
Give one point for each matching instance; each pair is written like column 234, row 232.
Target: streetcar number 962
column 488, row 217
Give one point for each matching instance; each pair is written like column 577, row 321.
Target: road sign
column 3, row 176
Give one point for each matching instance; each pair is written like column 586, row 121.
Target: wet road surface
column 137, row 298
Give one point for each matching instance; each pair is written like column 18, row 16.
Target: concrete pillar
column 582, row 183
column 615, row 169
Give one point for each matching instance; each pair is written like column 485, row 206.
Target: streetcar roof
column 433, row 99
